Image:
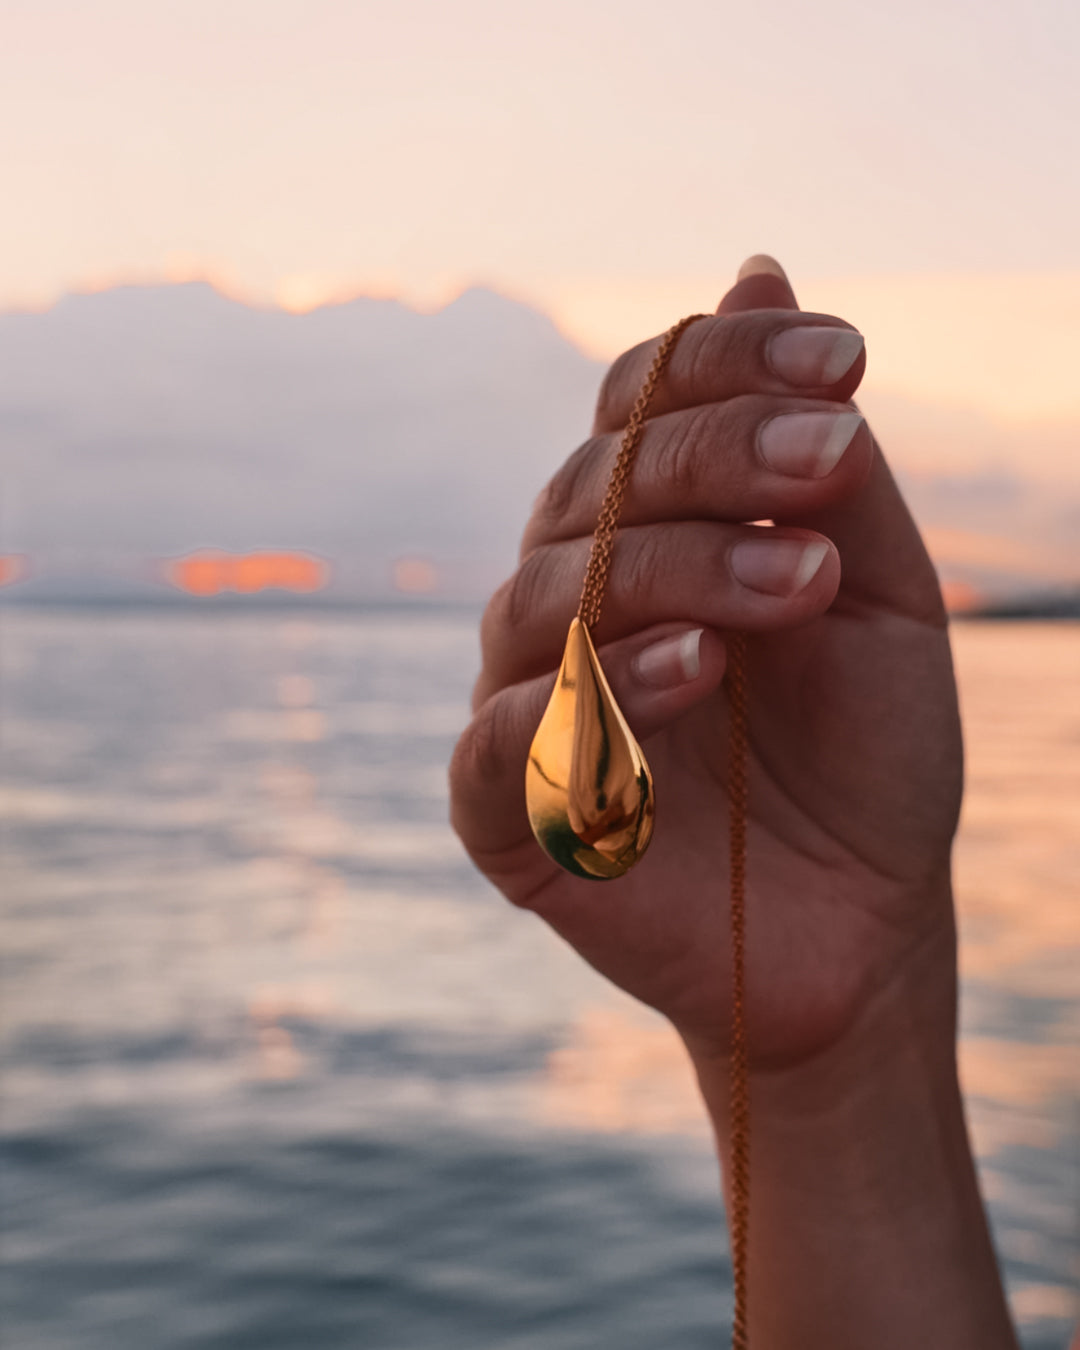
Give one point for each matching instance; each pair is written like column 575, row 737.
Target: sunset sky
column 914, row 167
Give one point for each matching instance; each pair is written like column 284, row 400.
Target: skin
column 867, row 1226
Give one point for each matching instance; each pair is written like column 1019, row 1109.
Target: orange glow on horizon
column 415, row 576
column 959, row 597
column 210, row 572
column 12, row 568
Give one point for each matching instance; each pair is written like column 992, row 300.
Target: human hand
column 867, row 1226
column 855, row 769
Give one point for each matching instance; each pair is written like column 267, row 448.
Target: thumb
column 761, row 284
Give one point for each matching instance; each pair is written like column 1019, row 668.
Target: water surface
column 283, row 1071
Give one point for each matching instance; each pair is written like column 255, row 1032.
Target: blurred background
column 300, row 304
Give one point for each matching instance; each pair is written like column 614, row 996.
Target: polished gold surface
column 587, row 787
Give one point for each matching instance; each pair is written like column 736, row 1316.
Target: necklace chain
column 738, row 796
column 596, row 574
column 592, row 595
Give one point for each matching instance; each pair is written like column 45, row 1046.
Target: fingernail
column 810, row 356
column 777, row 566
column 671, row 661
column 807, row 444
column 757, row 265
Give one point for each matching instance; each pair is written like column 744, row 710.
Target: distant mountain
column 144, row 422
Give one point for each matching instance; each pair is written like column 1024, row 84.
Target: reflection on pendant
column 588, row 789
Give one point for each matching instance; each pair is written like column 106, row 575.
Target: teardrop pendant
column 588, row 789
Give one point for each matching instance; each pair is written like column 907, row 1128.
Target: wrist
column 905, row 1030
column 866, row 1223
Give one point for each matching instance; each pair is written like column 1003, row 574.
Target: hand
column 855, row 772
column 866, row 1223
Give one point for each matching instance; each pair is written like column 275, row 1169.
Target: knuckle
column 702, row 355
column 491, row 622
column 520, row 593
column 478, row 755
column 716, row 553
column 724, row 353
column 611, row 400
column 681, row 457
column 512, row 605
column 640, row 565
column 564, row 490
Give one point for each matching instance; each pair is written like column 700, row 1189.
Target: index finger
column 762, row 351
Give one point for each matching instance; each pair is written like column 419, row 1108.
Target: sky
column 913, row 166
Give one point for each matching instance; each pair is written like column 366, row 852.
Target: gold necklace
column 589, row 794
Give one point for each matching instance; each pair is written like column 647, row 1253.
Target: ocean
column 281, row 1070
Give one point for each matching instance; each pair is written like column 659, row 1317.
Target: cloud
column 146, row 421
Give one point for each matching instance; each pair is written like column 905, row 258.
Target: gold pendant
column 588, row 789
